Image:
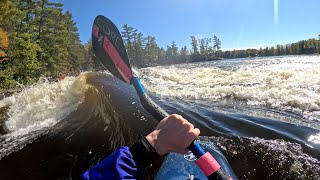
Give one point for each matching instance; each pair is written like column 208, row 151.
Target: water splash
column 31, row 112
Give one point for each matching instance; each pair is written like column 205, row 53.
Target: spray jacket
column 125, row 163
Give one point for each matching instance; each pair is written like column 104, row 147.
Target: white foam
column 44, row 103
column 286, row 82
column 39, row 107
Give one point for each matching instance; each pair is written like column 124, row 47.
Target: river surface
column 263, row 114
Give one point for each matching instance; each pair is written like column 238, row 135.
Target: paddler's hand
column 173, row 134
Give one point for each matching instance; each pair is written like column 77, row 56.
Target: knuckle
column 176, row 116
column 188, row 125
column 191, row 126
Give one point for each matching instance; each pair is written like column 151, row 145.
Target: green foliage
column 23, row 53
column 6, row 81
column 43, row 41
column 217, row 43
column 91, row 63
column 194, row 45
column 151, row 51
column 10, row 15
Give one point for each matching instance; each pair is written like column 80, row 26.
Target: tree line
column 310, row 46
column 38, row 39
column 144, row 51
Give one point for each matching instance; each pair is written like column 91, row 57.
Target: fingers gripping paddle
column 109, row 48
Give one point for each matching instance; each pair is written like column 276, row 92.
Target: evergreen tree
column 10, row 15
column 217, row 43
column 202, row 47
column 207, row 48
column 75, row 48
column 161, row 54
column 91, row 62
column 128, row 35
column 194, row 44
column 174, row 49
column 24, row 64
column 171, row 53
column 184, row 55
column 54, row 40
column 151, row 50
column 278, row 51
column 138, row 50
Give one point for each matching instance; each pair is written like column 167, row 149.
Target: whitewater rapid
column 35, row 109
column 285, row 83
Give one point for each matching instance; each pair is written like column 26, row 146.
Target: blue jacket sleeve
column 119, row 165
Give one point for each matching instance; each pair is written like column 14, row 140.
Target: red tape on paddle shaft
column 123, row 69
column 207, row 164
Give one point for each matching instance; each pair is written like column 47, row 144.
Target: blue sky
column 238, row 23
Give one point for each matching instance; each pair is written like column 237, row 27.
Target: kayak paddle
column 109, row 48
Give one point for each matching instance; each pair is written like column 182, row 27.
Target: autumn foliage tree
column 4, row 43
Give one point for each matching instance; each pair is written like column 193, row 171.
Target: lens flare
column 275, row 12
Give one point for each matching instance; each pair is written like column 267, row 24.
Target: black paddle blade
column 109, row 48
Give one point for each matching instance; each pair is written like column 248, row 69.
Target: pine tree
column 151, row 50
column 138, row 49
column 75, row 48
column 194, row 44
column 161, row 54
column 128, row 35
column 23, row 52
column 202, row 47
column 54, row 40
column 184, row 55
column 10, row 15
column 217, row 43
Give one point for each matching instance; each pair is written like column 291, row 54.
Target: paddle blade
column 109, row 48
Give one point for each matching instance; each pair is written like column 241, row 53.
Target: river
column 263, row 114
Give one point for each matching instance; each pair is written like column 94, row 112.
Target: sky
column 239, row 24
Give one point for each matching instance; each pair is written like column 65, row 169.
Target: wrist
column 152, row 138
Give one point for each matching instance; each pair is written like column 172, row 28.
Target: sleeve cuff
column 143, row 153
